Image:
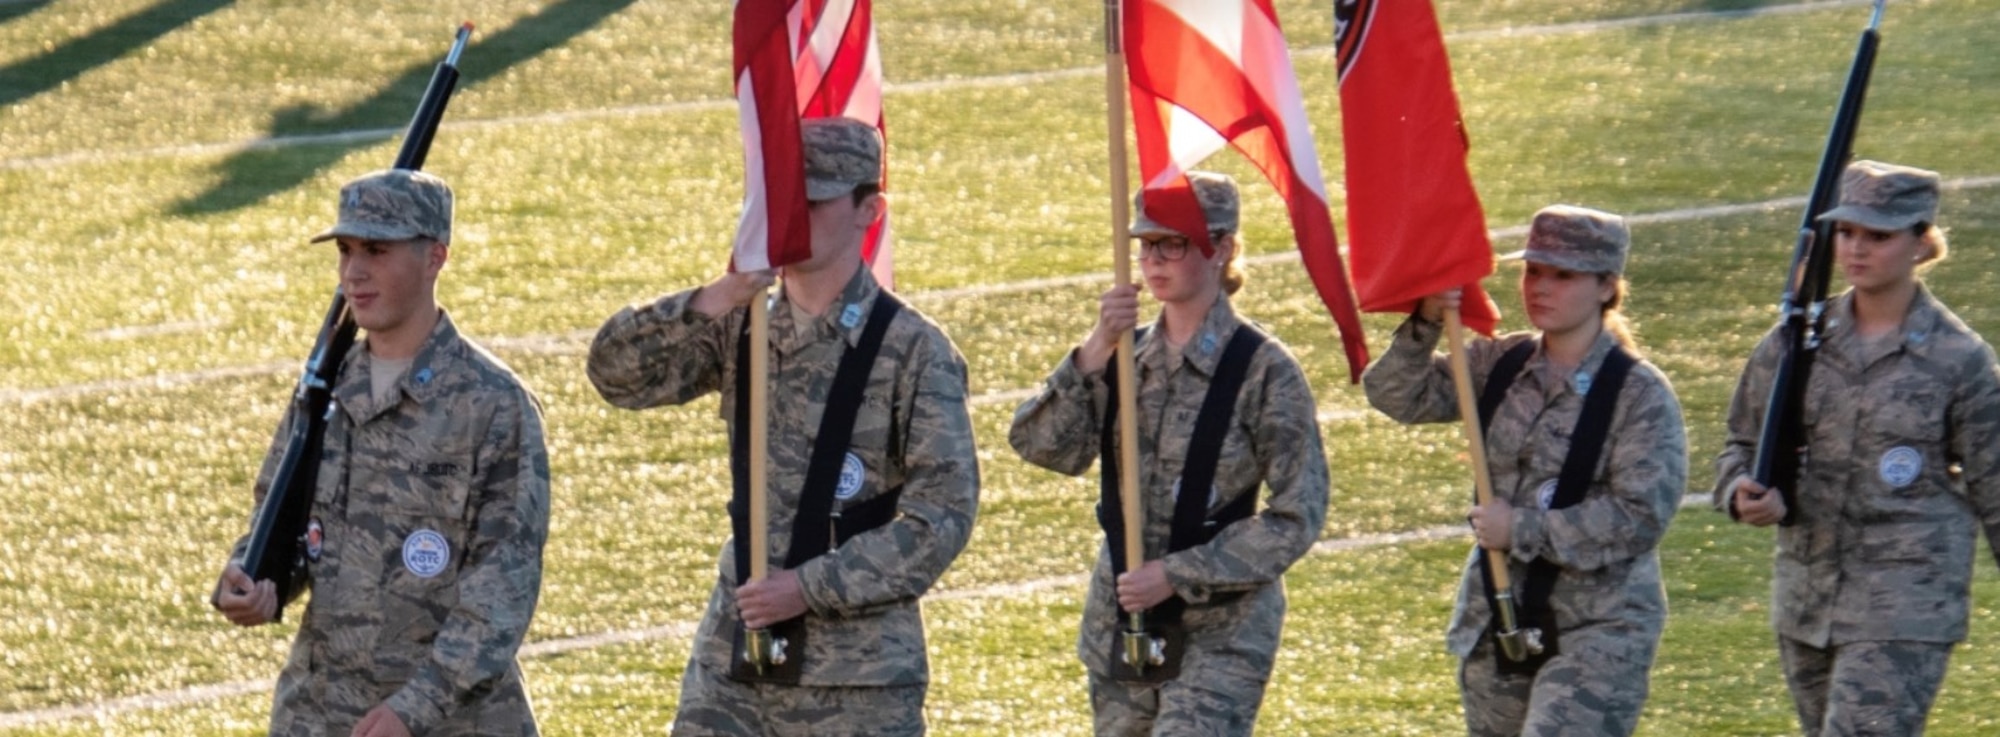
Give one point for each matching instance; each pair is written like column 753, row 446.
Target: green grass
column 123, row 498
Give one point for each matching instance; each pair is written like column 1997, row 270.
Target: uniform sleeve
column 262, row 488
column 901, row 560
column 501, row 578
column 1647, row 464
column 1975, row 441
column 1746, row 419
column 1057, row 428
column 1256, row 551
column 660, row 353
column 1411, row 382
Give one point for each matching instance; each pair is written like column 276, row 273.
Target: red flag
column 1209, row 73
column 799, row 59
column 1414, row 224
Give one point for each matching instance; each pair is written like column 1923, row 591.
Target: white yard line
column 894, row 88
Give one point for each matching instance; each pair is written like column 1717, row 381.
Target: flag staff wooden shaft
column 1121, row 257
column 757, row 641
column 1512, row 642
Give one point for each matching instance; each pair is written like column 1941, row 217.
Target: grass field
column 162, row 161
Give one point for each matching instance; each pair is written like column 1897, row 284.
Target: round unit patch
column 425, row 553
column 852, row 475
column 1546, row 493
column 315, row 535
column 1900, row 466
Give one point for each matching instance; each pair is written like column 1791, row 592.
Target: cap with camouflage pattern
column 1219, row 205
column 393, row 205
column 1577, row 239
column 1886, row 197
column 841, row 154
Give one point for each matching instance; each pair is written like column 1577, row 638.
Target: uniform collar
column 1204, row 349
column 1578, row 381
column 846, row 316
column 1920, row 323
column 423, row 382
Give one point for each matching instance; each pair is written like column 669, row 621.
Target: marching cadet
column 424, row 547
column 864, row 541
column 1588, row 458
column 1215, row 563
column 1902, row 420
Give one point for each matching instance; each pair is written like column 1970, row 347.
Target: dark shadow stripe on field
column 11, row 9
column 251, row 175
column 37, row 74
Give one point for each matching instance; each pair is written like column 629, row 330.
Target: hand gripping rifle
column 1781, row 444
column 277, row 550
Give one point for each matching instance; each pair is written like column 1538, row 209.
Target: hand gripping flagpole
column 1141, row 649
column 763, row 650
column 1517, row 644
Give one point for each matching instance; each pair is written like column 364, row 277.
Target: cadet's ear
column 874, row 208
column 436, row 256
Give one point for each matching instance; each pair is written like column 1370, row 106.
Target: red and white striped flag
column 1414, row 224
column 799, row 59
column 1209, row 73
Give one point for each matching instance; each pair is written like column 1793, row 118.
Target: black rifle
column 277, row 550
column 1781, row 444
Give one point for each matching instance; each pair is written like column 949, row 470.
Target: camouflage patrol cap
column 841, row 154
column 393, row 205
column 1219, row 205
column 1886, row 196
column 1577, row 239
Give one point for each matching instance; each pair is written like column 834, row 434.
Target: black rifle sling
column 1587, row 440
column 1192, row 524
column 812, row 526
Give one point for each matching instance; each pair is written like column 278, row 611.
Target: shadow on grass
column 38, row 74
column 11, row 9
column 252, row 175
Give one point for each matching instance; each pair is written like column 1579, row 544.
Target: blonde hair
column 1613, row 315
column 1233, row 274
column 1933, row 237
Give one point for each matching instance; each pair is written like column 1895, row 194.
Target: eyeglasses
column 1169, row 248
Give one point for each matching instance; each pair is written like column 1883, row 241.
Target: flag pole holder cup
column 767, row 655
column 1142, row 654
column 1516, row 643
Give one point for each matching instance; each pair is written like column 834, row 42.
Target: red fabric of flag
column 1414, row 223
column 1209, row 73
column 799, row 59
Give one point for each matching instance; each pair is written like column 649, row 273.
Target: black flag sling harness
column 1586, row 447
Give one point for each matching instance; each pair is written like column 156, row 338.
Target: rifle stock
column 1781, row 442
column 277, row 547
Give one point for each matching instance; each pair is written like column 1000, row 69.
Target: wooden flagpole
column 757, row 642
column 1130, row 505
column 1515, row 644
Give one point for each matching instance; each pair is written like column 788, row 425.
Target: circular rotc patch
column 852, row 475
column 1545, row 494
column 315, row 535
column 1900, row 466
column 425, row 553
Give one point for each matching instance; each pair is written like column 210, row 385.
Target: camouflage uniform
column 1273, row 439
column 1873, row 576
column 1905, row 446
column 865, row 668
column 1608, row 601
column 433, row 510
